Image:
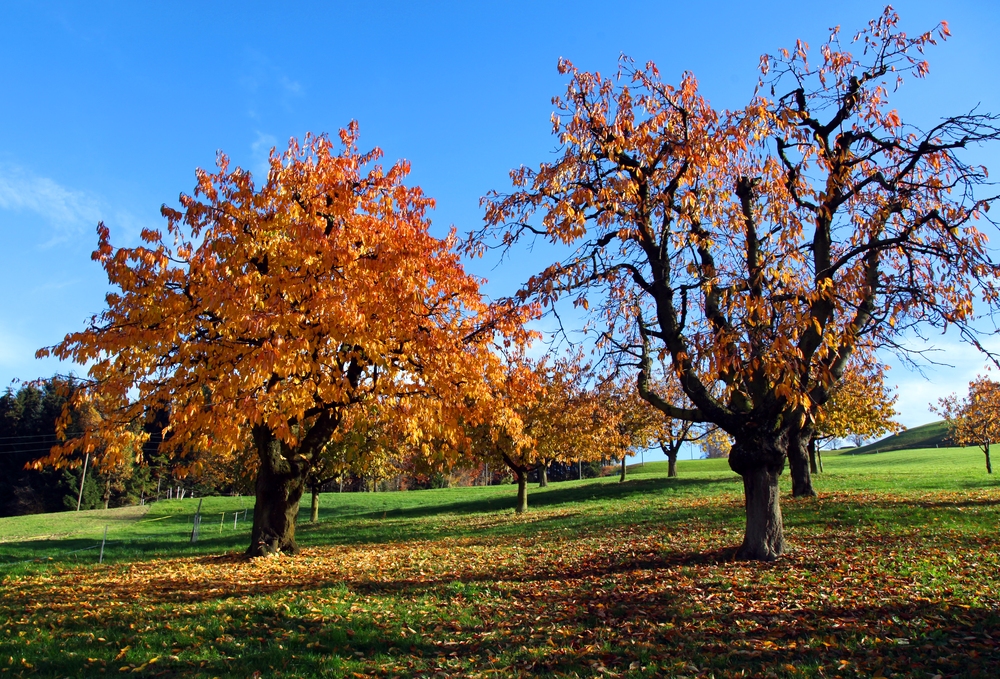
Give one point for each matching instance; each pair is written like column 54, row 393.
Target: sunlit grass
column 893, row 570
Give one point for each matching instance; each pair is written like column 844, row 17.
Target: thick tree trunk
column 764, row 539
column 672, row 465
column 798, row 463
column 281, row 480
column 543, row 476
column 760, row 462
column 522, row 491
column 621, row 479
column 314, row 509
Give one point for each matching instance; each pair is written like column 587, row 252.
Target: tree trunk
column 798, row 463
column 314, row 509
column 522, row 491
column 281, row 480
column 989, row 466
column 819, row 459
column 671, row 452
column 813, row 467
column 622, row 477
column 107, row 490
column 760, row 462
column 764, row 539
column 543, row 476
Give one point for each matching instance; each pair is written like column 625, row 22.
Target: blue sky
column 109, row 107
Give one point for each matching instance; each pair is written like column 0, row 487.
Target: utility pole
column 79, row 498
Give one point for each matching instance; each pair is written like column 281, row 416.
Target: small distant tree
column 674, row 434
column 715, row 443
column 542, row 412
column 975, row 419
column 861, row 407
column 629, row 422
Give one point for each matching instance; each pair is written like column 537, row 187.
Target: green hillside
column 931, row 435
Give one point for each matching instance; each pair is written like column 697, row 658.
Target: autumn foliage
column 268, row 311
column 759, row 250
column 975, row 419
column 543, row 411
column 861, row 406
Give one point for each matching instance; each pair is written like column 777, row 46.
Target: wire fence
column 198, row 528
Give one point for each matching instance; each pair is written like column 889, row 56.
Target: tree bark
column 522, row 491
column 671, row 452
column 760, row 462
column 813, row 467
column 798, row 463
column 622, row 478
column 281, row 481
column 764, row 539
column 989, row 465
column 314, row 509
column 543, row 476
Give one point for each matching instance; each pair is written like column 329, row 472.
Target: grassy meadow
column 894, row 571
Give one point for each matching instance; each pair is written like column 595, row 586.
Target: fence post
column 100, row 559
column 196, row 523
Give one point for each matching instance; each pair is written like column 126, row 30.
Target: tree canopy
column 268, row 310
column 975, row 419
column 758, row 250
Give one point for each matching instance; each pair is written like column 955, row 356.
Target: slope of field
column 931, row 435
column 892, row 571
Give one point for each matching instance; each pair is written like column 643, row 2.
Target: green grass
column 892, row 571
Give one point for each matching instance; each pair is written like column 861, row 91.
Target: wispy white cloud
column 290, row 86
column 260, row 151
column 917, row 392
column 68, row 211
column 267, row 85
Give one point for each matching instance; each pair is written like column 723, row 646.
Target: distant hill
column 925, row 436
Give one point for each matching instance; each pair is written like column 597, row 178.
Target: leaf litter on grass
column 650, row 598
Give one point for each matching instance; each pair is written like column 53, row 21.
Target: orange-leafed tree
column 542, row 411
column 715, row 443
column 861, row 406
column 628, row 423
column 975, row 419
column 671, row 433
column 757, row 250
column 270, row 309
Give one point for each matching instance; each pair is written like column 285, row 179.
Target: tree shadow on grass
column 555, row 495
column 635, row 616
